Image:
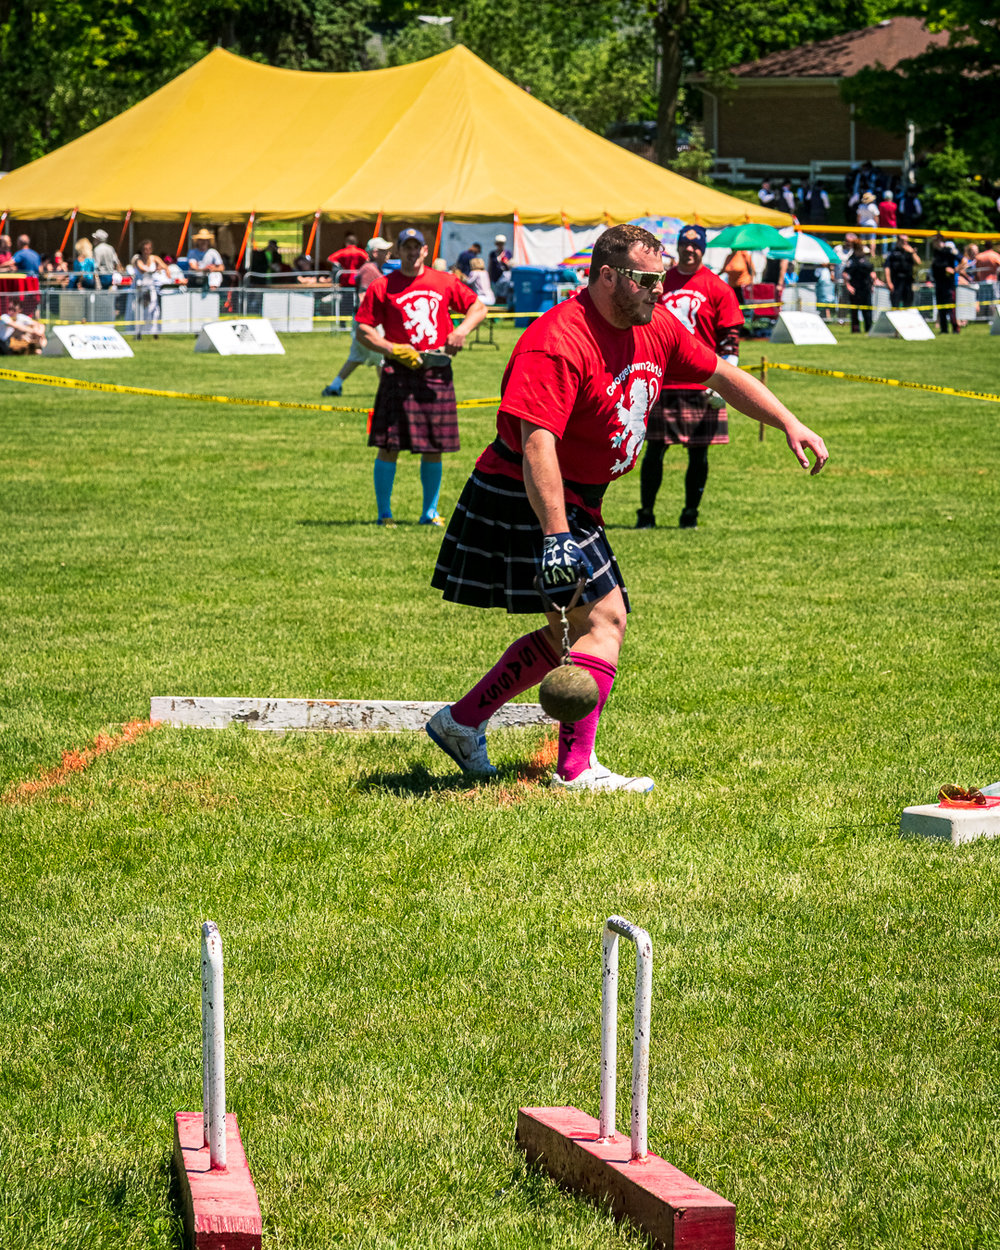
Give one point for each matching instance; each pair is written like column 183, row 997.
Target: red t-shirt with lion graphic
column 593, row 386
column 415, row 310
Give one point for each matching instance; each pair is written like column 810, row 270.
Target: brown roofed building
column 786, row 109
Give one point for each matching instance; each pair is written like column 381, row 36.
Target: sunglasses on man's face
column 646, row 278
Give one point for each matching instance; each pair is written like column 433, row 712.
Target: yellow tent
column 446, row 135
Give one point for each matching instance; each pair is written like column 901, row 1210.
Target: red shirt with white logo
column 415, row 310
column 706, row 307
column 593, row 386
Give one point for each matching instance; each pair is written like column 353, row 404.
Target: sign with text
column 239, row 338
column 86, row 342
column 901, row 323
column 802, row 329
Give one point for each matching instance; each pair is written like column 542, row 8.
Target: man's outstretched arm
column 752, row 398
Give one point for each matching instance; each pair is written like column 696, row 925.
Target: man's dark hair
column 613, row 246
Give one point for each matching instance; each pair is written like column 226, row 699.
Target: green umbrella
column 751, row 236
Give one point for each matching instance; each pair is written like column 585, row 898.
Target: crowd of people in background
column 871, row 196
column 865, row 261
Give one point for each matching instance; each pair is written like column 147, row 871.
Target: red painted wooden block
column 221, row 1211
column 673, row 1209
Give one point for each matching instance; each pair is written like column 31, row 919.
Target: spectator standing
column 825, row 293
column 867, row 214
column 147, row 265
column 859, row 278
column 576, row 394
column 106, row 262
column 900, row 268
column 83, row 266
column 765, row 194
column 887, row 212
column 815, row 204
column 347, row 260
column 6, row 253
column 737, row 270
column 684, row 413
column 787, row 200
column 968, row 265
column 480, row 282
column 910, row 210
column 26, row 259
column 204, row 259
column 415, row 404
column 944, row 273
column 499, row 261
column 775, row 273
column 377, row 250
column 988, row 265
column 465, row 259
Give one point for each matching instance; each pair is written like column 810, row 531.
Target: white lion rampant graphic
column 632, row 414
column 420, row 312
column 684, row 305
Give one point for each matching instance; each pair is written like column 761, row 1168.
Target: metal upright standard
column 609, row 1031
column 588, row 1156
column 221, row 1211
column 213, row 1044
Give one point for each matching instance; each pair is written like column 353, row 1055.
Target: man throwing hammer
column 576, row 395
column 415, row 403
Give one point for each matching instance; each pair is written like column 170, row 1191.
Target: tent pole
column 131, row 237
column 71, row 227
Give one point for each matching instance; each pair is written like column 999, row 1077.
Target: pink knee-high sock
column 576, row 742
column 521, row 666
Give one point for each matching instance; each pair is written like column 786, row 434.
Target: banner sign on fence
column 84, row 342
column 239, row 338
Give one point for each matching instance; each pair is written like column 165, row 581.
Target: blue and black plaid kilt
column 491, row 549
column 686, row 417
column 415, row 410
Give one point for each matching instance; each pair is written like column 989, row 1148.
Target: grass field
column 409, row 958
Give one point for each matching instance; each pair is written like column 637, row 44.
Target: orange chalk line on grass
column 76, row 760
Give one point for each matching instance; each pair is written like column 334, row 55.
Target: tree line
column 66, row 67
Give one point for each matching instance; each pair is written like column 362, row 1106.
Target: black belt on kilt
column 590, row 492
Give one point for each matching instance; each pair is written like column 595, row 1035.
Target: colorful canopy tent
column 446, row 135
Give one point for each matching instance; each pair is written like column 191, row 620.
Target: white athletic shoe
column 467, row 747
column 597, row 777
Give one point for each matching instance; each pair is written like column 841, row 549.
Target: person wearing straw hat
column 203, row 258
column 867, row 214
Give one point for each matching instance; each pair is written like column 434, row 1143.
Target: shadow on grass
column 419, row 781
column 416, row 781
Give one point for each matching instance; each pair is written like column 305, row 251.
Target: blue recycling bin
column 535, row 290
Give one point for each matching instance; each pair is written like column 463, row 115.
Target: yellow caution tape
column 864, row 377
column 77, row 384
